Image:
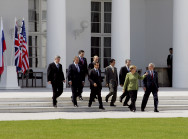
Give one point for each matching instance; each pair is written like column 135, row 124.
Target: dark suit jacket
column 148, row 82
column 111, row 77
column 122, row 74
column 94, row 78
column 75, row 76
column 169, row 60
column 54, row 74
column 83, row 67
column 91, row 66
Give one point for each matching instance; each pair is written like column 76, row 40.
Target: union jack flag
column 18, row 50
column 24, row 47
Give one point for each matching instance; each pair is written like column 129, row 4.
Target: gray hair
column 95, row 57
column 56, row 57
column 127, row 60
column 151, row 64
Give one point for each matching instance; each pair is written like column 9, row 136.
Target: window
column 37, row 33
column 101, row 11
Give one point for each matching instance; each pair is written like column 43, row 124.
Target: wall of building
column 78, row 11
column 138, row 37
column 159, row 30
column 151, row 31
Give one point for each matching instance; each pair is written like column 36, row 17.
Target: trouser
column 125, row 94
column 133, row 96
column 94, row 92
column 170, row 76
column 76, row 90
column 57, row 91
column 146, row 96
column 81, row 87
column 113, row 93
column 80, row 93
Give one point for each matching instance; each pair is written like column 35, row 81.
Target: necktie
column 78, row 69
column 113, row 69
column 82, row 60
column 57, row 66
column 128, row 69
column 152, row 75
column 97, row 72
column 152, row 78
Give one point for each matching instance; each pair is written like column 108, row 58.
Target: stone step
column 47, row 99
column 83, row 109
column 85, row 103
column 44, row 104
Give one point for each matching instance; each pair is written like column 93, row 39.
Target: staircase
column 37, row 105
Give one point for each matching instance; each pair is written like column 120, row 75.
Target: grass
column 159, row 128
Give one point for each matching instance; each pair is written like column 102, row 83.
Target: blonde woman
column 131, row 83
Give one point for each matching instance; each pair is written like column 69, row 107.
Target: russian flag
column 2, row 47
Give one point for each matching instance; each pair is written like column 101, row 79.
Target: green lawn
column 160, row 128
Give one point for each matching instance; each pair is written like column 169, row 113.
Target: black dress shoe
column 125, row 104
column 102, row 108
column 112, row 105
column 55, row 105
column 142, row 110
column 80, row 98
column 156, row 110
column 133, row 110
column 89, row 105
column 75, row 105
column 106, row 99
column 120, row 99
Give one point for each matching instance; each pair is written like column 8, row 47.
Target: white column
column 56, row 31
column 120, row 31
column 180, row 44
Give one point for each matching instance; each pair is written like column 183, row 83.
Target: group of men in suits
column 78, row 71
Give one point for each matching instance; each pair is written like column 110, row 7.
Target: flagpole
column 12, row 55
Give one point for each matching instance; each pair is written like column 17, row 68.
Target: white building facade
column 140, row 30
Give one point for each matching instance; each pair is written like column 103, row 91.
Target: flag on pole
column 18, row 50
column 24, row 47
column 2, row 47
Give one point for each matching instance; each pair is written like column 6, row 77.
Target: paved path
column 90, row 115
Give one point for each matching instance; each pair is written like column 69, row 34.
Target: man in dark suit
column 83, row 67
column 122, row 74
column 76, row 80
column 56, row 78
column 170, row 66
column 95, row 85
column 150, row 85
column 91, row 66
column 111, row 82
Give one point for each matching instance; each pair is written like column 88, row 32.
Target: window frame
column 102, row 35
column 40, row 33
